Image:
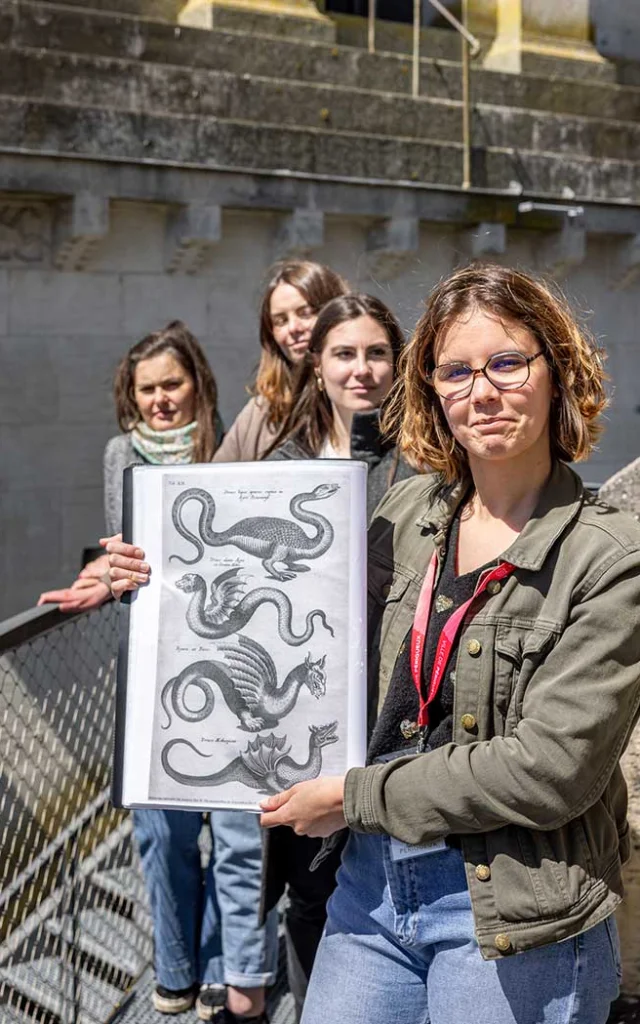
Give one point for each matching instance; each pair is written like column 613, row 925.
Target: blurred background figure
column 295, row 294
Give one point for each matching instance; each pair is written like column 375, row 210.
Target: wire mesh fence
column 75, row 930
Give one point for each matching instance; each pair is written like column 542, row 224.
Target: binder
column 242, row 664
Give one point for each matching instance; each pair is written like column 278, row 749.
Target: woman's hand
column 127, row 569
column 312, row 808
column 96, row 570
column 81, row 596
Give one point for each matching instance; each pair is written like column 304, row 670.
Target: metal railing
column 74, row 926
column 470, row 47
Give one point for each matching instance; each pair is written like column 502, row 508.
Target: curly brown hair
column 310, row 418
column 318, row 284
column 413, row 414
column 178, row 340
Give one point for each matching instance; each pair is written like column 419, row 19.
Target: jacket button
column 502, row 942
column 474, row 647
column 386, row 590
column 468, row 722
column 494, row 586
column 483, row 872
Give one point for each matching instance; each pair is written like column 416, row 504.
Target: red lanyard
column 448, row 634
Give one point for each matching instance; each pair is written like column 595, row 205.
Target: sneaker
column 210, row 1002
column 168, row 1000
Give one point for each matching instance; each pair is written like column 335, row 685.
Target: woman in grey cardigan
column 209, row 944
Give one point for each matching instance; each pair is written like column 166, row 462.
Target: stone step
column 156, row 89
column 213, row 143
column 40, row 24
column 48, row 984
column 108, row 938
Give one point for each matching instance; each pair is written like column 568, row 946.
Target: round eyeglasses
column 507, row 371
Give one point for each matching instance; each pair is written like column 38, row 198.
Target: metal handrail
column 470, row 47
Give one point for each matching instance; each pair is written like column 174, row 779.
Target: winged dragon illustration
column 248, row 683
column 229, row 608
column 265, row 765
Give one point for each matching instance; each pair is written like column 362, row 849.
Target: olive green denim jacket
column 547, row 693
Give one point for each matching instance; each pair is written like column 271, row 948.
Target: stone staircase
column 111, row 83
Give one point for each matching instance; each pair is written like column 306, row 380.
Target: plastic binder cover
column 242, row 665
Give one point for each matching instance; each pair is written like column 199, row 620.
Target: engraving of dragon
column 270, row 539
column 264, row 765
column 230, row 609
column 248, row 683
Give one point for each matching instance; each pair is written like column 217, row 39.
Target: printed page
column 247, row 660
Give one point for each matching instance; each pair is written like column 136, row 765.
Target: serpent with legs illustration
column 264, row 765
column 269, row 538
column 248, row 683
column 230, row 609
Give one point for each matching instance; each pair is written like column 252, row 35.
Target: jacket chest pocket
column 519, row 650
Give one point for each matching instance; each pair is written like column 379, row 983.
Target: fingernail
column 145, row 568
column 139, row 553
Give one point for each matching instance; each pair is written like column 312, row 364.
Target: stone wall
column 62, row 333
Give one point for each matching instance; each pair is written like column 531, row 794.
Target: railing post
column 415, row 81
column 466, row 102
column 372, row 26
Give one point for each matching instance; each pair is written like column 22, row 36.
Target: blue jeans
column 206, row 923
column 399, row 948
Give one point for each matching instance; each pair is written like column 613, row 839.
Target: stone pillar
column 202, row 13
column 528, row 30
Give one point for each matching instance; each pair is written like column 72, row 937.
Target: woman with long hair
column 342, row 381
column 346, row 374
column 295, row 293
column 210, row 948
column 487, row 832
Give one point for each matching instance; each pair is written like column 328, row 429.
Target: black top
column 402, row 704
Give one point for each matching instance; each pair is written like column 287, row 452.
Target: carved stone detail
column 299, row 234
column 25, row 233
column 192, row 232
column 391, row 246
column 81, row 224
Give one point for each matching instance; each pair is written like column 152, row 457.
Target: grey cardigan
column 118, row 454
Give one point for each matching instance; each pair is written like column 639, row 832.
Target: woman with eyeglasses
column 488, row 829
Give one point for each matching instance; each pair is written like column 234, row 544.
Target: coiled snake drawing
column 248, row 682
column 270, row 539
column 229, row 609
column 264, row 765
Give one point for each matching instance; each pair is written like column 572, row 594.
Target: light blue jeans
column 399, row 948
column 206, row 923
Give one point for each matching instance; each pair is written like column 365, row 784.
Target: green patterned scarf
column 164, row 447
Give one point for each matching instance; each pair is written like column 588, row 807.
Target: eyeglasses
column 507, row 371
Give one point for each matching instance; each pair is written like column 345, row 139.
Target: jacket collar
column 560, row 502
column 367, row 443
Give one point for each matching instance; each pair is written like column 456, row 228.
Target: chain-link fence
column 74, row 926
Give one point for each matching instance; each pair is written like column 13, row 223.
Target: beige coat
column 249, row 435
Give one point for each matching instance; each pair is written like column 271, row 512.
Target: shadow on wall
column 395, row 10
column 616, row 29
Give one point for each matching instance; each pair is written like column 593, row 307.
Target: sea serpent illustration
column 270, row 539
column 227, row 613
column 248, row 683
column 264, row 765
